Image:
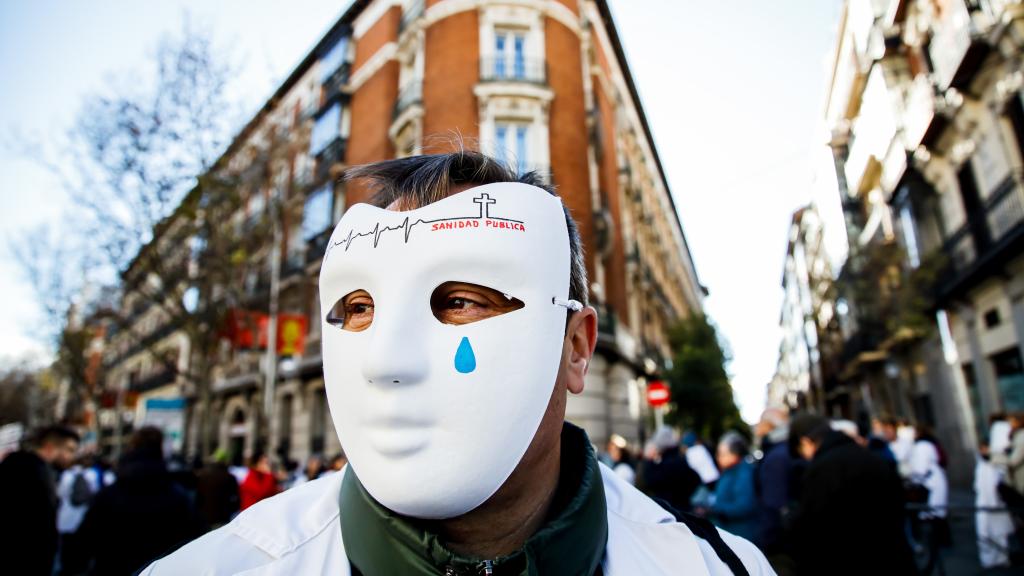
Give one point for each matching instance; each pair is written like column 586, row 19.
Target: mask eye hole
column 353, row 312
column 464, row 303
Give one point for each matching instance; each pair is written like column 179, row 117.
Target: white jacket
column 925, row 470
column 299, row 532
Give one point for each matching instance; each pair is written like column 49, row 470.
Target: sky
column 733, row 91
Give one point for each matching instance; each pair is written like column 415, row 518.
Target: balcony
column 526, row 70
column 606, row 324
column 986, row 242
column 957, row 48
column 332, row 155
column 411, row 95
column 159, row 378
column 1005, row 209
column 334, row 85
column 918, row 112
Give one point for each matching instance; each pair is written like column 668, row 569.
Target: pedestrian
column 666, row 475
column 260, row 482
column 76, row 488
column 28, row 501
column 455, row 322
column 1011, row 459
column 772, row 428
column 927, row 469
column 140, row 517
column 1000, row 431
column 217, row 496
column 877, row 443
column 735, row 505
column 850, row 516
column 993, row 527
column 312, row 471
column 773, row 486
column 699, row 458
column 900, row 439
column 621, row 459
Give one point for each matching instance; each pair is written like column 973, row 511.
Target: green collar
column 572, row 541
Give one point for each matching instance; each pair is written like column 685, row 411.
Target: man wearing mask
column 455, row 321
column 28, row 499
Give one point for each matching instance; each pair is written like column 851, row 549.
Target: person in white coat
column 926, row 470
column 993, row 526
column 455, row 322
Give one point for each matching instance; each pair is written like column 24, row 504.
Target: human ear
column 581, row 338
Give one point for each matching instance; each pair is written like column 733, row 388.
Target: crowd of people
column 79, row 515
column 806, row 491
column 809, row 490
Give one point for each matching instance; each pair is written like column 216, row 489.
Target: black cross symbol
column 485, row 201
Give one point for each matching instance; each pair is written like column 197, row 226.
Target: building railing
column 334, row 85
column 411, row 94
column 333, row 153
column 979, row 247
column 960, row 248
column 502, row 69
column 1004, row 208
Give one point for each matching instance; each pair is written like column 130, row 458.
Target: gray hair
column 416, row 181
column 735, row 443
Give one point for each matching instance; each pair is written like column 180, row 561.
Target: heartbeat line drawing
column 484, row 202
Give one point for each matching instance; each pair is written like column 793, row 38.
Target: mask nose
column 396, row 355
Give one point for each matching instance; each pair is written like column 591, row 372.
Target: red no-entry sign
column 657, row 393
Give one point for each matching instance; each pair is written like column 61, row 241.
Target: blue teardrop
column 465, row 360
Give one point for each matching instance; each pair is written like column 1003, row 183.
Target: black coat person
column 141, row 517
column 28, row 502
column 850, row 516
column 216, row 494
column 671, row 479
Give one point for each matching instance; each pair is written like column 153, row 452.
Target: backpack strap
column 704, row 529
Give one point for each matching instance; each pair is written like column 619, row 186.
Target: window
column 326, row 129
column 333, row 59
column 316, row 214
column 509, row 53
column 992, row 318
column 511, row 144
column 910, row 236
column 1010, row 378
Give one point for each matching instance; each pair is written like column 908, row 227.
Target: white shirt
column 901, row 448
column 925, row 470
column 69, row 516
column 699, row 458
column 299, row 532
column 626, row 472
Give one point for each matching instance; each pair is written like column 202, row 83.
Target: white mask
column 435, row 417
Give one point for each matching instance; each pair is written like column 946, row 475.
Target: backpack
column 81, row 492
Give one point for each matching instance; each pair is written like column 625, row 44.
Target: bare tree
column 163, row 216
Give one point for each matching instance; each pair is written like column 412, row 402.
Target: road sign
column 657, row 393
